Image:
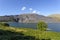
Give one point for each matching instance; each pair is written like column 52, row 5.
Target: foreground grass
column 33, row 33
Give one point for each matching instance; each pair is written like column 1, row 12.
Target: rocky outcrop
column 28, row 18
column 34, row 18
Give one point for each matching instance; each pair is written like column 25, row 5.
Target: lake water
column 52, row 26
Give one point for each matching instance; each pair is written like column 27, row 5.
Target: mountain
column 10, row 18
column 34, row 18
column 57, row 16
column 28, row 18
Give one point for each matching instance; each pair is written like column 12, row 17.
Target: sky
column 41, row 7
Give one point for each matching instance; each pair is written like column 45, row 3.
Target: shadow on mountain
column 8, row 35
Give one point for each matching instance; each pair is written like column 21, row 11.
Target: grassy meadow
column 13, row 33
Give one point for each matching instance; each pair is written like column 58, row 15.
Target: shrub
column 42, row 26
column 5, row 24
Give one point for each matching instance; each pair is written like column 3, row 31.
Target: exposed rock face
column 5, row 18
column 11, row 18
column 28, row 18
column 34, row 18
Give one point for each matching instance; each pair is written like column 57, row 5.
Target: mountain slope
column 14, row 33
column 28, row 18
column 57, row 16
column 34, row 18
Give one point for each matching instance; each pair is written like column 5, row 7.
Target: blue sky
column 42, row 7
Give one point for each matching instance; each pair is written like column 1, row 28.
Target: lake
column 52, row 26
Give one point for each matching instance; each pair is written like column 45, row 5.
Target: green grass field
column 13, row 33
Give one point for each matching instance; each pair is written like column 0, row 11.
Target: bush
column 4, row 24
column 42, row 26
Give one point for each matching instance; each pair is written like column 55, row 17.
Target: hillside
column 57, row 16
column 12, row 33
column 34, row 18
column 28, row 18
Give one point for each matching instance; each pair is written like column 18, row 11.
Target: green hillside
column 12, row 33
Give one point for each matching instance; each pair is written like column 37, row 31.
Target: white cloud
column 30, row 9
column 23, row 8
column 34, row 11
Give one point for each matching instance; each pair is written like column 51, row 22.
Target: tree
column 42, row 26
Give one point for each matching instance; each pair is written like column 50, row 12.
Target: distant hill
column 28, row 18
column 57, row 16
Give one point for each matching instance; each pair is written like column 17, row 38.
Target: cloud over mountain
column 23, row 8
